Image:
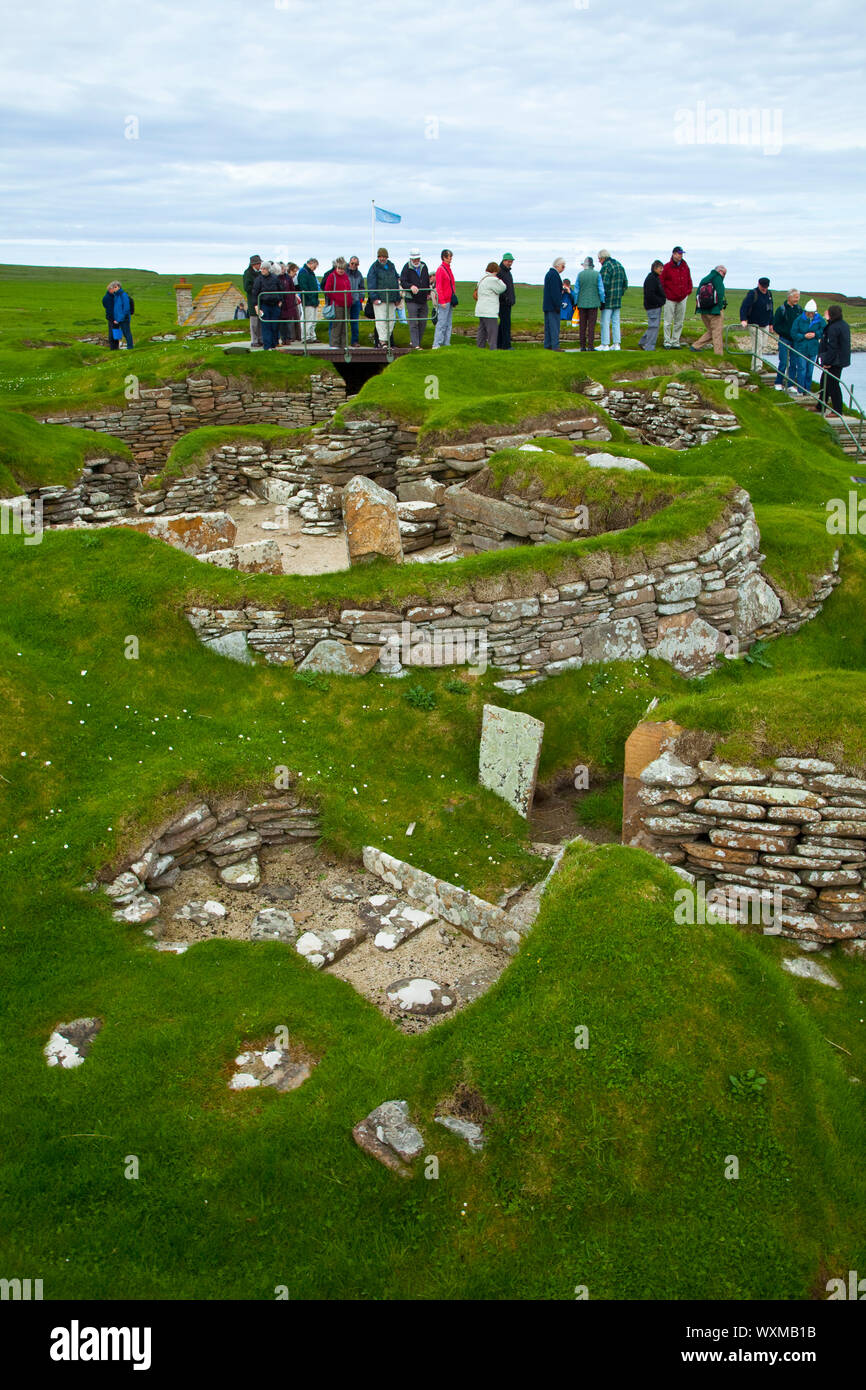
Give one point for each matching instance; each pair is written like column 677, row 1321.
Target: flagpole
column 372, row 230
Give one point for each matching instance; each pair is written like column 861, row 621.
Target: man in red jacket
column 676, row 281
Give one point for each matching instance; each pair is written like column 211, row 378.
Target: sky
column 183, row 138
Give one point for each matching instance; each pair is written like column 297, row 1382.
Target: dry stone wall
column 796, row 830
column 686, row 611
column 158, row 417
column 677, row 418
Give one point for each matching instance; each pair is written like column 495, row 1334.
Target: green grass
column 192, row 451
column 605, row 1166
column 34, row 455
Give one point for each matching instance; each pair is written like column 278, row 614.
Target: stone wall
column 153, row 422
column 226, row 841
column 796, row 829
column 678, row 418
column 686, row 611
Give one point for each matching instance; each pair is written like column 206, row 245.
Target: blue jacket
column 108, row 305
column 808, row 323
column 757, row 308
column 566, row 308
column 552, row 301
column 121, row 306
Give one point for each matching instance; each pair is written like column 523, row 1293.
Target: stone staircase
column 839, row 424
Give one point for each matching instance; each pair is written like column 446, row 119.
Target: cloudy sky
column 183, row 137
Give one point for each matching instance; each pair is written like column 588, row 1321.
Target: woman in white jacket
column 487, row 293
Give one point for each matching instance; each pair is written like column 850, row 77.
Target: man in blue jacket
column 383, row 288
column 551, row 304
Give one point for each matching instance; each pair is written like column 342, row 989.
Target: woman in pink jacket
column 338, row 292
column 446, row 300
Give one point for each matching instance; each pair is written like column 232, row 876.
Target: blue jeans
column 270, row 333
column 442, row 331
column 354, row 319
column 551, row 329
column 123, row 325
column 805, row 368
column 610, row 327
column 786, row 375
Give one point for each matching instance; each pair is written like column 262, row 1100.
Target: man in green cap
column 506, row 300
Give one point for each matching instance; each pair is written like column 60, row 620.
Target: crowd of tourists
column 284, row 300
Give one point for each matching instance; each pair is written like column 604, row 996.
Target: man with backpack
column 756, row 313
column 711, row 304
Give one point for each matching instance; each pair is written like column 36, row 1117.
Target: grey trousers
column 442, row 332
column 674, row 316
column 650, row 337
column 255, row 330
column 487, row 332
column 417, row 315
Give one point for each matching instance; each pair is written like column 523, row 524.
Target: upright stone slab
column 644, row 745
column 508, row 760
column 371, row 521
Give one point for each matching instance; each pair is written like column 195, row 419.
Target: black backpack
column 708, row 296
column 131, row 305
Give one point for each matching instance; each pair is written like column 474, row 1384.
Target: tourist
column 252, row 271
column 506, row 302
column 446, row 299
column 118, row 310
column 654, row 300
column 711, row 304
column 551, row 304
column 290, row 331
column 356, row 280
column 566, row 307
column 756, row 313
column 615, row 285
column 338, row 293
column 309, row 289
column 487, row 293
column 383, row 287
column 415, row 280
column 782, row 322
column 267, row 295
column 834, row 356
column 676, row 281
column 806, row 331
column 590, row 298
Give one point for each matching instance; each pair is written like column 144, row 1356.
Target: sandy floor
column 301, row 554
column 299, row 879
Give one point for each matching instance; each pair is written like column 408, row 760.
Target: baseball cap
column 414, row 252
column 679, row 249
column 764, row 280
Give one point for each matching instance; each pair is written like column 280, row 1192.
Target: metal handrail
column 853, row 403
column 348, row 295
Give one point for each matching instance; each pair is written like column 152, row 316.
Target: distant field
column 51, row 306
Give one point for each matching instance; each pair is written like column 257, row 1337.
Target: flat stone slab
column 371, row 521
column 323, row 946
column 387, row 1134
column 340, row 658
column 390, row 921
column 687, row 642
column 244, row 875
column 611, row 461
column 667, row 770
column 620, row 640
column 273, row 924
column 509, row 754
column 464, row 1129
column 810, row 970
column 272, row 1066
column 462, row 909
column 201, row 914
column 421, row 996
column 142, row 908
column 195, row 532
column 70, row 1043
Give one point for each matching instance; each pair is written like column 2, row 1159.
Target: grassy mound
column 34, row 455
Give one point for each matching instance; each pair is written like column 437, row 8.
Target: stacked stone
column 158, row 416
column 616, row 613
column 796, row 830
column 227, row 843
column 106, row 489
column 679, row 419
column 322, row 513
